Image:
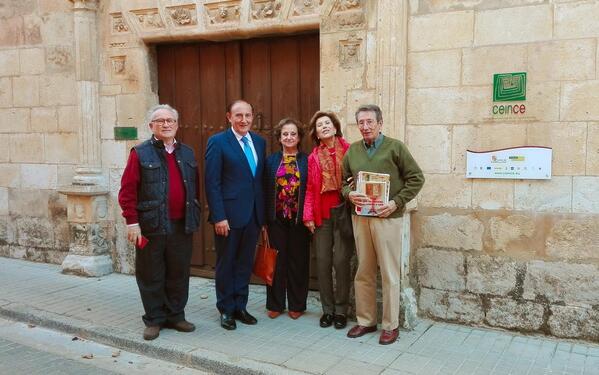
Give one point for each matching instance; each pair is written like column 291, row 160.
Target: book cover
column 376, row 187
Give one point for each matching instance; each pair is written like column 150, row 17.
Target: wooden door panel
column 166, row 73
column 212, row 85
column 284, row 69
column 186, row 98
column 255, row 70
column 233, row 71
column 309, row 82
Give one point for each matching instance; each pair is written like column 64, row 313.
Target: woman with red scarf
column 333, row 250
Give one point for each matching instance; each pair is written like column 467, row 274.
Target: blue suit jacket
column 232, row 192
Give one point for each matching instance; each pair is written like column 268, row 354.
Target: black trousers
column 162, row 273
column 292, row 269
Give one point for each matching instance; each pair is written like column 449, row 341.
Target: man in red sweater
column 158, row 196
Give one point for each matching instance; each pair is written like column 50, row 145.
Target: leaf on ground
column 87, row 356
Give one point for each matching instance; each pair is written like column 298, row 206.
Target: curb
column 181, row 354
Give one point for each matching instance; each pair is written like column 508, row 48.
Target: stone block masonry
column 552, row 297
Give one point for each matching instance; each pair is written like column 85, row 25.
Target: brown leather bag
column 266, row 259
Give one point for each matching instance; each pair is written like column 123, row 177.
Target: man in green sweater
column 378, row 238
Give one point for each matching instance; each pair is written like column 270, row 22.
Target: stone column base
column 409, row 309
column 87, row 265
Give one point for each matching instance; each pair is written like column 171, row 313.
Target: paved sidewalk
column 27, row 349
column 108, row 310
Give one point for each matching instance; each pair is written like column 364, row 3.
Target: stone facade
column 516, row 254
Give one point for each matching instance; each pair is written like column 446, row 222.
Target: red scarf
column 330, row 165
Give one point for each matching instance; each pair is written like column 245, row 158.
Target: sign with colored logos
column 526, row 162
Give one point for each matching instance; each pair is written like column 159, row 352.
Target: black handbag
column 342, row 216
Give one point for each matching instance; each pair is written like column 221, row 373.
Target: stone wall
column 516, row 254
column 38, row 127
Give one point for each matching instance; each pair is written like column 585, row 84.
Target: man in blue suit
column 234, row 165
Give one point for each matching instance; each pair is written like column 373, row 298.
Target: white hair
column 156, row 108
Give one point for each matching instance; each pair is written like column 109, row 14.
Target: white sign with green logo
column 526, row 162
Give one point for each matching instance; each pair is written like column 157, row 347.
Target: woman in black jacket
column 286, row 175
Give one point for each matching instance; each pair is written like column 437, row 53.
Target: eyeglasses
column 367, row 124
column 162, row 121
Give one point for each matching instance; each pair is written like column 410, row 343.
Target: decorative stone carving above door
column 306, row 8
column 119, row 25
column 148, row 19
column 223, row 13
column 266, row 9
column 183, row 16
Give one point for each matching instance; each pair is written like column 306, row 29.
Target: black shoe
column 227, row 322
column 340, row 321
column 245, row 317
column 326, row 320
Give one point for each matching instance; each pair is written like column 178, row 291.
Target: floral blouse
column 287, row 188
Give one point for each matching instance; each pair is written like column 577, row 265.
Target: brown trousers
column 378, row 241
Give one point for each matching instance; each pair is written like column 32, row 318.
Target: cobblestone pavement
column 108, row 310
column 27, row 349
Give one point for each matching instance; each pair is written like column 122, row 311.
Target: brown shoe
column 295, row 314
column 182, row 326
column 359, row 330
column 151, row 332
column 389, row 337
column 273, row 314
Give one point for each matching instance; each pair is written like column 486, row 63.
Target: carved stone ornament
column 348, row 4
column 347, row 15
column 101, row 206
column 268, row 9
column 222, row 12
column 119, row 25
column 148, row 19
column 98, row 239
column 306, row 7
column 118, row 64
column 79, row 211
column 79, row 235
column 60, row 58
column 349, row 52
column 183, row 15
column 351, row 20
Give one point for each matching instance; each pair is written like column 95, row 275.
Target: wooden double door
column 278, row 76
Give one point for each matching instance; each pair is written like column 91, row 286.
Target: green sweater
column 391, row 157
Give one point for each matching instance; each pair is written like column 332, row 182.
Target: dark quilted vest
column 152, row 196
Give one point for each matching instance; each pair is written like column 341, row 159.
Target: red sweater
column 130, row 185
